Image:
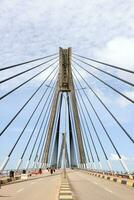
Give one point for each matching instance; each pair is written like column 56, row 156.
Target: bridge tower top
column 65, row 69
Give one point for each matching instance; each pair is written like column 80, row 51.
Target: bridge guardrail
column 16, row 176
column 119, row 178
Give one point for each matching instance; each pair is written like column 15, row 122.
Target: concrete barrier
column 120, row 180
column 7, row 180
column 117, row 179
column 24, row 176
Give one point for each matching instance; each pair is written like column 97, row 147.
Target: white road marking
column 106, row 189
column 20, row 190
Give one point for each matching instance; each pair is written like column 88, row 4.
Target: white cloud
column 103, row 96
column 115, row 157
column 123, row 102
column 119, row 51
column 30, row 27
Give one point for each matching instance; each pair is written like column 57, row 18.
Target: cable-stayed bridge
column 54, row 115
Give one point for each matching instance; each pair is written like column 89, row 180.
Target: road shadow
column 4, row 196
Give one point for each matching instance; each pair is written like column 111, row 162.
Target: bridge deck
column 83, row 186
column 42, row 188
column 86, row 187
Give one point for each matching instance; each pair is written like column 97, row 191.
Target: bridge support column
column 65, row 84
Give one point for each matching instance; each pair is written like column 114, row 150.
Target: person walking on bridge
column 51, row 171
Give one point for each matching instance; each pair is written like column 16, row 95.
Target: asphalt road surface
column 86, row 187
column 44, row 188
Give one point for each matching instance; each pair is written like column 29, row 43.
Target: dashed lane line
column 20, row 190
column 106, row 189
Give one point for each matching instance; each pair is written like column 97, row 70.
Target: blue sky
column 101, row 29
